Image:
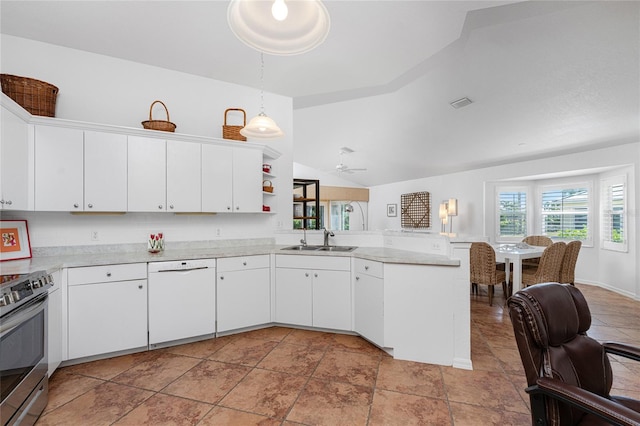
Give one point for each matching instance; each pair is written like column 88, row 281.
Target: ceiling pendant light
column 280, row 27
column 261, row 126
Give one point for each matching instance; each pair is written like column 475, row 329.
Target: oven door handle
column 24, row 314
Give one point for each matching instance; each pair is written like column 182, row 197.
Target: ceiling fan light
column 261, row 127
column 306, row 25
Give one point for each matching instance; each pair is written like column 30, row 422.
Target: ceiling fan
column 343, row 168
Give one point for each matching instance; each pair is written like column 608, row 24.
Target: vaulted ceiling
column 545, row 77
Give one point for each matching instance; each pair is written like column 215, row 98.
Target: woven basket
column 233, row 132
column 37, row 97
column 165, row 126
column 267, row 186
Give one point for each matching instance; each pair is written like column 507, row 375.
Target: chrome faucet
column 327, row 234
column 303, row 241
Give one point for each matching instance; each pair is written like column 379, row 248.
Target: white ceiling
column 545, row 77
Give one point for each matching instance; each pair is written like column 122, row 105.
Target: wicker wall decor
column 233, row 132
column 415, row 210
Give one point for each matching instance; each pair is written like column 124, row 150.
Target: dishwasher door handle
column 183, row 270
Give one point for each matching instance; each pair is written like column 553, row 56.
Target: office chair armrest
column 627, row 351
column 586, row 401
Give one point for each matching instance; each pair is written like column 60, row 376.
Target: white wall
column 616, row 270
column 101, row 89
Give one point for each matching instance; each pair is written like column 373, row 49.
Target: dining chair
column 549, row 268
column 482, row 259
column 569, row 374
column 568, row 267
column 535, row 240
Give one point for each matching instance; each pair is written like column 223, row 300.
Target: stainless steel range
column 23, row 347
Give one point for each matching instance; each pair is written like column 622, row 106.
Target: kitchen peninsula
column 406, row 293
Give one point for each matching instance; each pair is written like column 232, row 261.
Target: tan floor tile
column 347, row 342
column 292, row 359
column 509, row 360
column 101, row 405
column 65, row 386
column 350, row 367
column 410, row 377
column 244, row 351
column 273, row 334
column 110, row 367
column 202, row 349
column 332, row 403
column 473, row 415
column 165, row 410
column 221, row 416
column 483, row 388
column 268, row 393
column 157, row 373
column 316, row 339
column 392, row 408
column 208, row 381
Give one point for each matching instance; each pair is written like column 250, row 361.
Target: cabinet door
column 14, row 156
column 59, row 158
column 243, row 299
column 184, row 181
column 247, row 180
column 97, row 327
column 146, row 174
column 217, row 178
column 369, row 307
column 332, row 299
column 293, row 296
column 105, row 172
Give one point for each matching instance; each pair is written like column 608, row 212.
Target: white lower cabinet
column 368, row 290
column 54, row 325
column 313, row 291
column 107, row 309
column 182, row 300
column 244, row 292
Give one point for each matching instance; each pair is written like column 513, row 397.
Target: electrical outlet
column 95, row 236
column 218, row 232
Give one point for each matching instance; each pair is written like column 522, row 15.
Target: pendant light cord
column 261, row 83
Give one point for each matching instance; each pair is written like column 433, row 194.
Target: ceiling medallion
column 280, row 27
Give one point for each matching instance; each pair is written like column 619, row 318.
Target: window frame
column 605, row 202
column 562, row 186
column 528, row 211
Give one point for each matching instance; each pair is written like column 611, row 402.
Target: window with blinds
column 613, row 213
column 512, row 214
column 565, row 212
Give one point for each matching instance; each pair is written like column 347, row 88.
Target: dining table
column 512, row 254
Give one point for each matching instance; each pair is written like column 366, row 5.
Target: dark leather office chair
column 568, row 372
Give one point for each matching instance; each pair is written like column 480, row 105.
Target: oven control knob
column 4, row 300
column 36, row 284
column 15, row 296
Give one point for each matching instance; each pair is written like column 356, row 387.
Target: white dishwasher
column 182, row 299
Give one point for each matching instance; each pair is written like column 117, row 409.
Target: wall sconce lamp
column 443, row 214
column 452, row 210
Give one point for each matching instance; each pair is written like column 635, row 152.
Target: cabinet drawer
column 107, row 273
column 369, row 267
column 314, row 262
column 241, row 263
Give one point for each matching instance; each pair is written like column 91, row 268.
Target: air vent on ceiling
column 462, row 102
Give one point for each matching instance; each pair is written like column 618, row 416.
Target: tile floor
column 283, row 376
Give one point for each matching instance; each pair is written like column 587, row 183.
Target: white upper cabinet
column 247, row 180
column 14, row 157
column 59, row 183
column 105, row 172
column 231, row 179
column 147, row 173
column 184, row 178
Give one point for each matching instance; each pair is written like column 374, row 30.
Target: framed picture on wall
column 392, row 210
column 15, row 242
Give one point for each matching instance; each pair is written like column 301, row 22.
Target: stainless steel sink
column 337, row 248
column 321, row 248
column 301, row 248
